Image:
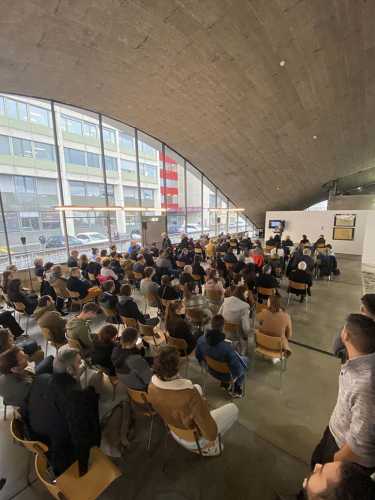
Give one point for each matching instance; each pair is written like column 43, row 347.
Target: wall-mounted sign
column 345, row 220
column 343, row 233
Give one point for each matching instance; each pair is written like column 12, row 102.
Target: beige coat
column 276, row 325
column 179, row 403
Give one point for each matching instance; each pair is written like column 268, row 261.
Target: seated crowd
column 204, row 296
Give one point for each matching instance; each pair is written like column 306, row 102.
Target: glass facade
column 57, row 155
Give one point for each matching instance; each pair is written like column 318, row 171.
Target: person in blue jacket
column 214, row 345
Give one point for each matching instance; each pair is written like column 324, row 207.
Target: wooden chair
column 197, row 277
column 73, row 343
column 70, row 486
column 293, row 285
column 130, row 322
column 149, row 331
column 266, row 291
column 197, row 317
column 270, row 347
column 233, row 332
column 141, row 406
column 49, row 338
column 191, row 436
column 74, row 296
column 21, row 309
column 181, row 346
column 92, row 277
column 17, row 431
column 215, row 367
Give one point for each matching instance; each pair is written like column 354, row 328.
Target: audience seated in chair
column 81, row 286
column 108, row 300
column 73, row 260
column 29, row 347
column 15, row 379
column 214, row 345
column 275, row 322
column 181, row 404
column 62, row 415
column 103, row 345
column 148, row 287
column 17, row 294
column 129, row 361
column 78, row 327
column 128, row 308
column 178, row 327
column 300, row 275
column 7, row 320
column 106, row 271
column 266, row 280
column 236, row 310
column 167, row 291
column 47, row 317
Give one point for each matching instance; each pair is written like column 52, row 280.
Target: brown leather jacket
column 179, row 403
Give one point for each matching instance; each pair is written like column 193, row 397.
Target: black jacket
column 181, row 329
column 128, row 308
column 64, row 417
column 76, row 285
column 93, row 268
column 30, row 300
column 267, row 281
column 300, row 276
column 101, row 355
column 72, row 262
column 108, row 301
column 131, row 367
column 168, row 293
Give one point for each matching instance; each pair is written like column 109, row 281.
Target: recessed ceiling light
column 282, row 63
column 278, row 188
column 315, row 137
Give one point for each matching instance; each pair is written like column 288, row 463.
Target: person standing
column 350, row 435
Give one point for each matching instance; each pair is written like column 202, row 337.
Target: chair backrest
column 41, row 470
column 91, row 276
column 139, row 397
column 266, row 291
column 179, row 344
column 138, row 276
column 297, row 286
column 20, row 307
column 73, row 295
column 231, row 328
column 74, row 343
column 189, row 435
column 196, row 315
column 17, row 430
column 269, row 248
column 268, row 341
column 108, row 313
column 198, row 250
column 147, row 330
column 60, row 289
column 197, row 277
column 217, row 366
column 46, row 332
column 260, row 307
column 214, row 295
column 180, row 264
column 130, row 322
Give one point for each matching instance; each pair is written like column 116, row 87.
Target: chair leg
column 150, row 433
column 288, row 300
column 5, row 412
column 46, row 347
column 198, row 445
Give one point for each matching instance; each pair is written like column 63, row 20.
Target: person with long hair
column 274, row 321
column 178, row 327
column 17, row 294
column 104, row 342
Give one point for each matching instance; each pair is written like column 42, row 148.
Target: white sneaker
column 276, row 360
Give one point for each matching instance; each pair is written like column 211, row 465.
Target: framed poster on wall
column 343, row 233
column 345, row 220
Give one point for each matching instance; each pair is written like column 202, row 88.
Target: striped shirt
column 353, row 419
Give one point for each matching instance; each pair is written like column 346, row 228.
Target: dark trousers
column 8, row 321
column 326, row 449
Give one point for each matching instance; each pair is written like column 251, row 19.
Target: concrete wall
column 316, row 223
column 352, row 202
column 368, row 255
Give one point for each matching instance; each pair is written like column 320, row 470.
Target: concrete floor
column 268, row 450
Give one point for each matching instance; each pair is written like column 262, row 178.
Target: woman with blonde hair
column 274, row 321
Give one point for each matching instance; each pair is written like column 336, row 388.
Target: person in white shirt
column 106, row 271
column 236, row 310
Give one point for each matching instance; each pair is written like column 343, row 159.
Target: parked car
column 135, row 235
column 92, row 237
column 59, row 241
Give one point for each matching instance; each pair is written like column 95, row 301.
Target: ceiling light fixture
column 282, row 63
column 315, row 137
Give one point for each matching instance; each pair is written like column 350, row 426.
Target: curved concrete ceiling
column 205, row 77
